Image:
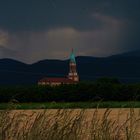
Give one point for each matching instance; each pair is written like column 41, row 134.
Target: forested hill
column 125, row 67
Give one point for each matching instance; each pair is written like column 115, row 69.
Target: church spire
column 72, row 68
column 72, row 57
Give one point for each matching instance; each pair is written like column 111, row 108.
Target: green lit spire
column 72, row 57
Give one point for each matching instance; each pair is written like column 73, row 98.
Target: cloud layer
column 34, row 30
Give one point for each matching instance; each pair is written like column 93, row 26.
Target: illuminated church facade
column 71, row 78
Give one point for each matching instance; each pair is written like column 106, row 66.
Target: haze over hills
column 125, row 67
column 135, row 53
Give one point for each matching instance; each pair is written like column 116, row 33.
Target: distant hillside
column 135, row 53
column 125, row 67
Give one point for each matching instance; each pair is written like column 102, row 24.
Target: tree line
column 104, row 89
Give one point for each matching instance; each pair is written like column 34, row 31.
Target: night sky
column 32, row 30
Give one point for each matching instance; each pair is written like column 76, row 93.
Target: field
column 70, row 124
column 73, row 112
column 71, row 105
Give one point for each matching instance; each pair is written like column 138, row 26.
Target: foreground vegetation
column 101, row 90
column 71, row 105
column 68, row 125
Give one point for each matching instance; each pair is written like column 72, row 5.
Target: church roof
column 56, row 80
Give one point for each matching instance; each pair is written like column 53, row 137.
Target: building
column 72, row 68
column 55, row 81
column 72, row 77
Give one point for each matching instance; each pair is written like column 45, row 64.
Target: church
column 71, row 78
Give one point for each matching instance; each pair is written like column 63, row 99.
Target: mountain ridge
column 124, row 67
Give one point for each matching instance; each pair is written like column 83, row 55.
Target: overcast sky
column 32, row 30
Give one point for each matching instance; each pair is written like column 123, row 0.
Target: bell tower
column 72, row 68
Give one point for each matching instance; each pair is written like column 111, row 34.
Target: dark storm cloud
column 129, row 12
column 46, row 14
column 38, row 15
column 93, row 27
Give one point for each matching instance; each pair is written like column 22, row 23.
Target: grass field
column 72, row 105
column 70, row 124
column 56, row 122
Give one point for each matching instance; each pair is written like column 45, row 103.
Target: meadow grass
column 73, row 105
column 67, row 124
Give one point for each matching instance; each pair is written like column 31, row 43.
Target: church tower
column 72, row 68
